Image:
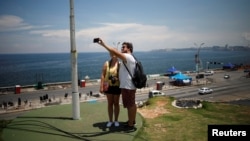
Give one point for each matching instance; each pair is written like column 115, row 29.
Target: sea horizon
column 30, row 68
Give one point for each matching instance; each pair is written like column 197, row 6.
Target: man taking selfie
column 128, row 89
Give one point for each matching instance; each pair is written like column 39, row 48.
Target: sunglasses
column 123, row 47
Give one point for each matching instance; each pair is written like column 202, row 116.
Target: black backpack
column 139, row 79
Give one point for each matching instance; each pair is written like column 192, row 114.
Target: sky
column 43, row 26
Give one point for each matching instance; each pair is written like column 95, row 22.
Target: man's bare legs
column 131, row 115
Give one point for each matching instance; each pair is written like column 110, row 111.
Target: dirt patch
column 152, row 113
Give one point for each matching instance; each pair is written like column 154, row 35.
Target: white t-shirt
column 125, row 78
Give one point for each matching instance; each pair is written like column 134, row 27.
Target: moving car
column 205, row 90
column 226, row 76
column 154, row 93
column 208, row 73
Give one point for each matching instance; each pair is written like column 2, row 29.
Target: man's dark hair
column 129, row 45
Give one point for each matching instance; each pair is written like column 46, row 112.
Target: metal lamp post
column 197, row 58
column 117, row 44
column 74, row 83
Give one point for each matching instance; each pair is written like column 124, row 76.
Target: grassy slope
column 180, row 124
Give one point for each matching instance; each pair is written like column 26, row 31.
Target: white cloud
column 52, row 33
column 144, row 37
column 11, row 23
column 15, row 23
column 128, row 31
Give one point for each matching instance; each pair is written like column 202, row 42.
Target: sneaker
column 129, row 128
column 109, row 124
column 126, row 123
column 117, row 124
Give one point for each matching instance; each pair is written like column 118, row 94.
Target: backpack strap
column 134, row 57
column 127, row 69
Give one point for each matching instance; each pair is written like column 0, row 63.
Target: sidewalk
column 56, row 123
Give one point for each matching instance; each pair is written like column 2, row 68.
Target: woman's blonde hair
column 112, row 54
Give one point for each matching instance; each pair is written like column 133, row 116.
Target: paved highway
column 235, row 88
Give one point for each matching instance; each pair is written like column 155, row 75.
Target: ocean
column 29, row 69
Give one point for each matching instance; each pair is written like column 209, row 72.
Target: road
column 236, row 87
column 225, row 90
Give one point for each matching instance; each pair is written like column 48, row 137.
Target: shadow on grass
column 41, row 127
column 30, row 126
column 62, row 118
column 112, row 129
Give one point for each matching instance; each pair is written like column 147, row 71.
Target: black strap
column 134, row 57
column 127, row 69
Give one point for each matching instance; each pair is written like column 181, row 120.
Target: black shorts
column 113, row 90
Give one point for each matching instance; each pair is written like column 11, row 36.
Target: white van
column 154, row 93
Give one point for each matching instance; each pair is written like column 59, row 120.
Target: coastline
column 87, row 82
column 52, row 68
column 85, row 96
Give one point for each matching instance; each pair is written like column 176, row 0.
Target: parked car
column 205, row 90
column 199, row 76
column 208, row 73
column 154, row 93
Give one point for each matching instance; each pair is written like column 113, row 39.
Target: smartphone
column 96, row 40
